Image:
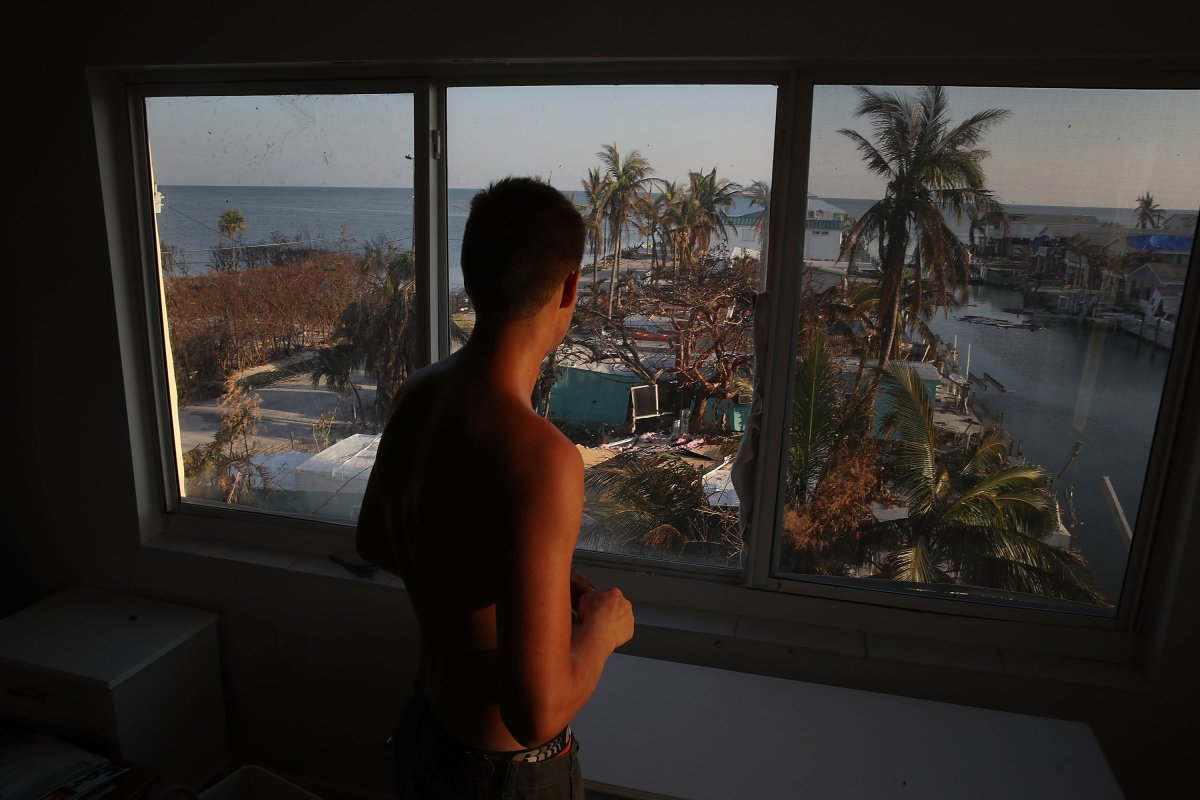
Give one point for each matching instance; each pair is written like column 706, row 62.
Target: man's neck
column 507, row 355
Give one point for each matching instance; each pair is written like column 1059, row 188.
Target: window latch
column 435, row 144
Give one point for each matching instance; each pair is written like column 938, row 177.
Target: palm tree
column 230, row 226
column 662, row 206
column 648, row 220
column 851, row 312
column 832, row 469
column 1149, row 215
column 759, row 194
column 629, row 180
column 656, row 503
column 595, row 192
column 931, row 167
column 714, row 197
column 672, row 200
column 814, row 430
column 981, row 219
column 984, row 524
column 379, row 331
column 335, row 365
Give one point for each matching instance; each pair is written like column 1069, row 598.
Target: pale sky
column 1058, row 147
column 1074, row 147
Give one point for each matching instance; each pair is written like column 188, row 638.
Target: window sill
column 788, row 640
column 271, row 557
column 751, row 731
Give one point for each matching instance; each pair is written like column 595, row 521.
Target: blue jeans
column 432, row 765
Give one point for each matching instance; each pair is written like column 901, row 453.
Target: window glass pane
column 653, row 381
column 285, row 234
column 1015, row 259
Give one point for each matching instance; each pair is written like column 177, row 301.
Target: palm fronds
column 986, row 526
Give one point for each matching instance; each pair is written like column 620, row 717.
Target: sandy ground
column 289, row 409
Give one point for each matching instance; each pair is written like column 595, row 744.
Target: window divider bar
column 789, row 184
column 430, row 219
column 1162, row 514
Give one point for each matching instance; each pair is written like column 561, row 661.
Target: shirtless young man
column 475, row 501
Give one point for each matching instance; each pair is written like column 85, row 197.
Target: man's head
column 523, row 238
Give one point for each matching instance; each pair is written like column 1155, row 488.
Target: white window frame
column 120, row 134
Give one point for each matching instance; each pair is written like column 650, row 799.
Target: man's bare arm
column 546, row 674
column 372, row 539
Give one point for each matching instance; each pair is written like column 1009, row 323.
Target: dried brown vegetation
column 224, row 322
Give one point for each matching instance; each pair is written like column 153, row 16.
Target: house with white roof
column 824, row 225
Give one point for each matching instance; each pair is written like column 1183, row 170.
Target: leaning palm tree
column 1149, row 214
column 931, row 167
column 986, row 523
column 629, row 181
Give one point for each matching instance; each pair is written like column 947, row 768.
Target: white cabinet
column 139, row 679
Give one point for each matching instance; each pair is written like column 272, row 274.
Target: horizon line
column 479, row 188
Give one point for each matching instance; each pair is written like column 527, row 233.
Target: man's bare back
column 475, row 501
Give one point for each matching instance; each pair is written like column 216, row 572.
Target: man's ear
column 569, row 290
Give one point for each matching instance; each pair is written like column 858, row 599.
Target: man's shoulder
column 536, row 443
column 541, row 474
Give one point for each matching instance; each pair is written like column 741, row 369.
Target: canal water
column 1068, row 383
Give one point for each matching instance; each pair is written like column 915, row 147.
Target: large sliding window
column 654, row 380
column 287, row 266
column 989, row 294
column 960, row 313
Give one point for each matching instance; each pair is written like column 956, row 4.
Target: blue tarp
column 1160, row 241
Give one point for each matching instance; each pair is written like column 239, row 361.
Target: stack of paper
column 39, row 767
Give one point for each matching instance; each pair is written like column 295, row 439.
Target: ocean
column 347, row 218
column 1046, row 408
column 335, row 218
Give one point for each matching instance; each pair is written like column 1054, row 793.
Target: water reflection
column 1069, row 383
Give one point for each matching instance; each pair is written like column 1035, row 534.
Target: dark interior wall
column 257, row 32
column 70, row 513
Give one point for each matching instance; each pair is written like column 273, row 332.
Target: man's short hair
column 522, row 239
